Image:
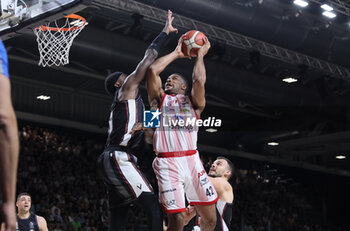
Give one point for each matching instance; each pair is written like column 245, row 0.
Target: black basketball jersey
column 29, row 224
column 124, row 115
column 223, row 216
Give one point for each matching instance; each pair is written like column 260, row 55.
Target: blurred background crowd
column 57, row 167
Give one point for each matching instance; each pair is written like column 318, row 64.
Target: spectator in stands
column 59, row 169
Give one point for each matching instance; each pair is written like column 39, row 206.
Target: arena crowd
column 57, row 167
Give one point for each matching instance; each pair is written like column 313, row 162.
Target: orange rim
column 74, row 16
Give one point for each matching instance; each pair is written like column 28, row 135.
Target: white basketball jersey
column 178, row 130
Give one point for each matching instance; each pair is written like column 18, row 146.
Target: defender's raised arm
column 154, row 82
column 132, row 82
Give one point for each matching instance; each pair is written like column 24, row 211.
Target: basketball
column 238, row 106
column 193, row 40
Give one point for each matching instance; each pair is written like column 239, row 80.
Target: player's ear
column 183, row 87
column 227, row 173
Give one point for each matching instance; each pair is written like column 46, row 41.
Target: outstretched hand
column 168, row 28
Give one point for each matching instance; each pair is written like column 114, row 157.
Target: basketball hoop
column 54, row 42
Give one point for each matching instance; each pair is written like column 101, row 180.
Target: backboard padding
column 41, row 12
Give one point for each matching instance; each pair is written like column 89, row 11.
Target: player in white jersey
column 177, row 166
column 219, row 174
column 117, row 165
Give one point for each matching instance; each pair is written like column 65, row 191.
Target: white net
column 54, row 42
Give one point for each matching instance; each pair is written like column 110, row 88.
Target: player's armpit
column 154, row 104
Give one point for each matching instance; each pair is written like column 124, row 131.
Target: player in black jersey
column 26, row 220
column 219, row 174
column 117, row 165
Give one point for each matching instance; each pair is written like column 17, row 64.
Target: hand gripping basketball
column 193, row 40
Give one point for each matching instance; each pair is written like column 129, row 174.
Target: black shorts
column 122, row 176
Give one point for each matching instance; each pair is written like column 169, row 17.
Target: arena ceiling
column 255, row 44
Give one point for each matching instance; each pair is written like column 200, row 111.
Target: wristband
column 159, row 42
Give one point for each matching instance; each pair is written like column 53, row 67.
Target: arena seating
column 57, row 167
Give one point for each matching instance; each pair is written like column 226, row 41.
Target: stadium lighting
column 340, row 157
column 43, row 97
column 289, row 80
column 211, row 130
column 329, row 14
column 301, row 3
column 272, row 143
column 327, row 7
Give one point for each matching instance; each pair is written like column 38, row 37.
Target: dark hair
column 23, row 194
column 185, row 81
column 230, row 164
column 110, row 81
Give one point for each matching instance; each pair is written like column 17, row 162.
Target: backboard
column 21, row 16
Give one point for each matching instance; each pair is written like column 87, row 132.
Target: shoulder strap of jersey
column 161, row 102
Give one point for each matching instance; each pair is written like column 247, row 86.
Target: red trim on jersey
column 176, row 154
column 195, row 112
column 144, row 179
column 197, row 219
column 205, row 203
column 161, row 102
column 127, row 116
column 137, row 120
column 222, row 217
column 137, row 113
column 121, row 173
column 127, row 121
column 223, row 211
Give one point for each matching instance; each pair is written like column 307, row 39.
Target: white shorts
column 178, row 176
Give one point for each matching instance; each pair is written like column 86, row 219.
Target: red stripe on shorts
column 205, row 203
column 119, row 170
